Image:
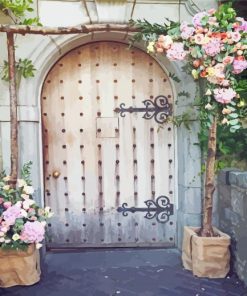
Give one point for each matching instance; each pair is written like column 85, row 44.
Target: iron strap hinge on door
column 161, row 209
column 159, row 109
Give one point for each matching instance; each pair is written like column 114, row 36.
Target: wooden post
column 13, row 109
column 207, row 229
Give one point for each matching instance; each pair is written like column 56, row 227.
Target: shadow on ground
column 123, row 273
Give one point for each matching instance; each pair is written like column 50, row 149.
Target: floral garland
column 22, row 222
column 215, row 46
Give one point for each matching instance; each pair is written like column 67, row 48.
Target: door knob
column 56, row 174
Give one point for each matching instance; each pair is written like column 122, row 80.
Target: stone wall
column 232, row 193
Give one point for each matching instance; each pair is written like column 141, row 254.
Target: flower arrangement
column 22, row 222
column 214, row 47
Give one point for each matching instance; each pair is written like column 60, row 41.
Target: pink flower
column 186, row 31
column 235, row 36
column 228, row 60
column 1, row 200
column 11, row 214
column 198, row 18
column 33, row 232
column 224, row 95
column 164, row 42
column 243, row 26
column 201, row 39
column 7, row 204
column 176, row 52
column 239, row 66
column 212, row 48
column 212, row 11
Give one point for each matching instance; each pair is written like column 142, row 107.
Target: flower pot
column 19, row 267
column 206, row 256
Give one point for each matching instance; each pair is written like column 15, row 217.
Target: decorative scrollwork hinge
column 161, row 209
column 159, row 109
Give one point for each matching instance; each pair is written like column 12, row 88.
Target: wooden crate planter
column 19, row 267
column 206, row 256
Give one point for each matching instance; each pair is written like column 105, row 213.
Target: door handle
column 56, row 174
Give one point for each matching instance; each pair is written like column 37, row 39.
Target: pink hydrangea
column 186, row 31
column 243, row 26
column 33, row 232
column 198, row 18
column 224, row 95
column 239, row 66
column 11, row 214
column 212, row 48
column 176, row 52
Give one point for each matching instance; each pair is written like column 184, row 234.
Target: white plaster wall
column 44, row 51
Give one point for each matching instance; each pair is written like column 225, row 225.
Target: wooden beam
column 13, row 109
column 23, row 29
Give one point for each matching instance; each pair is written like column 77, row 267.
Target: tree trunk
column 207, row 229
column 13, row 109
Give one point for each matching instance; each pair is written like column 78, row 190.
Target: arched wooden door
column 94, row 159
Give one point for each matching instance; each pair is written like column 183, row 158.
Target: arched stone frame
column 187, row 160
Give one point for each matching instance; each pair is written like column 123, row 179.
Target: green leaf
column 233, row 121
column 233, row 115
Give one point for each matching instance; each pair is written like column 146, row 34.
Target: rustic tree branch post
column 207, row 229
column 13, row 109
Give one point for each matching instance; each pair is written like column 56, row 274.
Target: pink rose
column 228, row 60
column 212, row 11
column 224, row 95
column 164, row 41
column 7, row 204
column 235, row 36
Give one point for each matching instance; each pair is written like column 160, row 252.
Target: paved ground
column 123, row 273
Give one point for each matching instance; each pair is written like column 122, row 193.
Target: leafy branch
column 24, row 68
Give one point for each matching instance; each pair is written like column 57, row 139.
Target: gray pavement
column 153, row 272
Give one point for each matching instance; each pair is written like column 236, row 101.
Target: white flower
column 6, row 178
column 1, row 233
column 27, row 203
column 19, row 204
column 208, row 92
column 209, row 107
column 47, row 210
column 25, row 196
column 7, row 241
column 21, row 183
column 28, row 189
column 6, row 187
column 15, row 237
column 23, row 213
column 38, row 246
column 43, row 223
column 1, row 240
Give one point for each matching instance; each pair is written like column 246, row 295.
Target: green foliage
column 184, row 94
column 174, row 77
column 18, row 9
column 24, row 68
column 26, row 172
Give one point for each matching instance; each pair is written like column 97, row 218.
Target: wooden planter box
column 19, row 267
column 206, row 256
